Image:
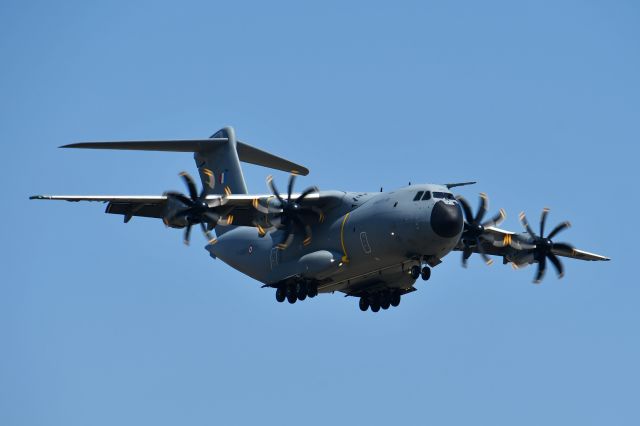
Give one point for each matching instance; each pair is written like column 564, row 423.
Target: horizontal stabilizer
column 250, row 154
column 246, row 153
column 186, row 145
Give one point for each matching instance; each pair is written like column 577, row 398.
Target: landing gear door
column 274, row 257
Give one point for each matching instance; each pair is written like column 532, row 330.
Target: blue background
column 103, row 323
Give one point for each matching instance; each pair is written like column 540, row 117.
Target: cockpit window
column 427, row 195
column 444, row 195
column 418, row 196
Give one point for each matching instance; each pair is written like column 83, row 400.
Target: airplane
column 372, row 246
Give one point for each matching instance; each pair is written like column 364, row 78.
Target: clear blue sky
column 103, row 323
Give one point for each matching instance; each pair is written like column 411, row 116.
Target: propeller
column 196, row 210
column 474, row 228
column 290, row 215
column 544, row 246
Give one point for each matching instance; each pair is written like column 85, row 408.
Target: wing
column 499, row 242
column 241, row 210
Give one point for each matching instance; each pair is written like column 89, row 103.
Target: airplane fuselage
column 366, row 240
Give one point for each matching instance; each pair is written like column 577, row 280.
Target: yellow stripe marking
column 345, row 258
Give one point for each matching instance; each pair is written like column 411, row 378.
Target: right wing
column 504, row 247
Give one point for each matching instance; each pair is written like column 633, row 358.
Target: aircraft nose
column 446, row 219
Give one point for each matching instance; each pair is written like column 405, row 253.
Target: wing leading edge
column 241, row 207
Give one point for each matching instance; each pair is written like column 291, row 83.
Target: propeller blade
column 205, row 231
column 525, row 223
column 556, row 262
column 274, row 190
column 302, row 226
column 482, row 209
column 212, row 218
column 188, row 180
column 292, row 179
column 261, row 231
column 288, row 238
column 520, row 245
column 306, row 192
column 484, row 255
column 542, row 266
column 558, row 229
column 276, row 221
column 180, row 197
column 179, row 213
column 466, row 253
column 496, row 220
column 262, row 209
column 466, row 208
column 187, row 234
column 543, row 220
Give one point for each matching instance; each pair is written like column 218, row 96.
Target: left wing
column 127, row 205
column 242, row 210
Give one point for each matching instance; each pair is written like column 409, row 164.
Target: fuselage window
column 418, row 196
column 427, row 195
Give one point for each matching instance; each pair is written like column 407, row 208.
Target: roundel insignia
column 250, row 249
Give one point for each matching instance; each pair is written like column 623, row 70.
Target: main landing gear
column 382, row 299
column 296, row 291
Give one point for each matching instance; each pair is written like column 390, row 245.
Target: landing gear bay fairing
column 373, row 246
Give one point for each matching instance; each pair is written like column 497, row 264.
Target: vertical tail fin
column 219, row 166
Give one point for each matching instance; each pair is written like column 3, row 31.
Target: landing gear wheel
column 312, row 290
column 364, row 304
column 385, row 300
column 374, row 303
column 415, row 272
column 395, row 298
column 281, row 294
column 426, row 273
column 301, row 291
column 292, row 296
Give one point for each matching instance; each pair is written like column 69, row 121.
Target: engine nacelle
column 172, row 207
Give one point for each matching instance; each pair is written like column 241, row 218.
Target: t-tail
column 217, row 159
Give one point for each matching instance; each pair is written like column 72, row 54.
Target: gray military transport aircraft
column 369, row 245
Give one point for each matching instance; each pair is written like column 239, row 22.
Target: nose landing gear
column 416, row 272
column 425, row 273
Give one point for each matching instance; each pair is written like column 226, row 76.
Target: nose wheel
column 425, row 273
column 416, row 272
